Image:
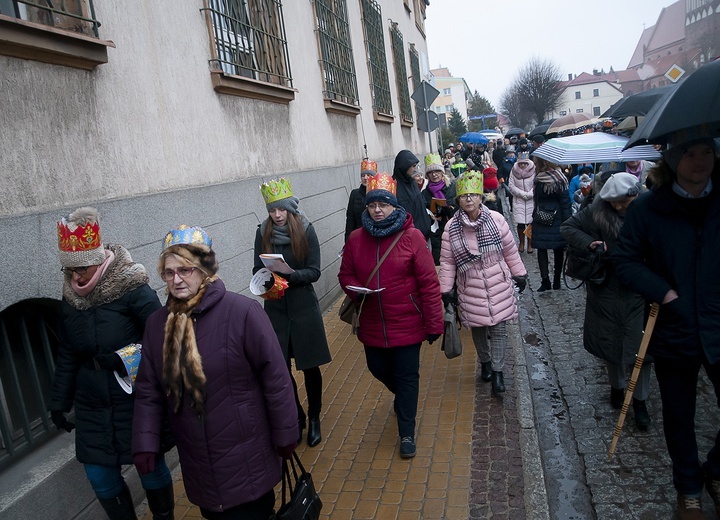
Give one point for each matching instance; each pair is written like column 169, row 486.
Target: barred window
column 75, row 16
column 248, row 41
column 420, row 15
column 401, row 79
column 377, row 61
column 336, row 59
column 415, row 67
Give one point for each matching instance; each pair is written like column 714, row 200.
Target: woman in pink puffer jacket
column 480, row 256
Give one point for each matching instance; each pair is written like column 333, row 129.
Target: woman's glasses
column 78, row 270
column 469, row 196
column 378, row 205
column 183, row 272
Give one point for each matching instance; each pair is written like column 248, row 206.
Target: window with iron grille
column 415, row 67
column 401, row 79
column 420, row 15
column 336, row 59
column 248, row 41
column 377, row 61
column 76, row 15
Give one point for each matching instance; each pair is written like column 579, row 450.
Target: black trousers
column 398, row 368
column 259, row 509
column 544, row 266
column 677, row 379
column 313, row 387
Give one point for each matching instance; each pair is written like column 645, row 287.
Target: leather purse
column 303, row 503
column 585, row 265
column 544, row 217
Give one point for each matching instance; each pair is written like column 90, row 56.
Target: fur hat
column 79, row 241
column 619, row 186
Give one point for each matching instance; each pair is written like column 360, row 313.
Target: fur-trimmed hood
column 606, row 218
column 122, row 276
column 523, row 169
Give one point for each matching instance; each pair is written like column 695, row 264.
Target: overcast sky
column 487, row 42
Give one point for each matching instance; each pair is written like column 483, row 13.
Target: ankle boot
column 498, row 382
column 545, row 285
column 521, row 245
column 120, row 507
column 556, row 280
column 486, row 371
column 642, row 417
column 314, row 436
column 301, row 427
column 161, row 502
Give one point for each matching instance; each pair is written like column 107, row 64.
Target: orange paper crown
column 382, row 181
column 368, row 166
column 82, row 238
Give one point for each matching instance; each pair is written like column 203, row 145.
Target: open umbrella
column 514, row 131
column 639, row 104
column 473, row 137
column 591, row 148
column 570, row 122
column 694, row 102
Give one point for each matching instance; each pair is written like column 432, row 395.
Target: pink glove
column 286, row 451
column 144, row 462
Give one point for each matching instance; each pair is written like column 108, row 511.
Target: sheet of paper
column 363, row 290
column 276, row 263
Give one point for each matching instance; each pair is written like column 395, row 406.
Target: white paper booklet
column 276, row 263
column 363, row 290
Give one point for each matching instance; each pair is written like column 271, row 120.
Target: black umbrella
column 638, row 104
column 514, row 131
column 540, row 129
column 695, row 101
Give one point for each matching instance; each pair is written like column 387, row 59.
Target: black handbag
column 451, row 343
column 543, row 217
column 585, row 265
column 304, row 502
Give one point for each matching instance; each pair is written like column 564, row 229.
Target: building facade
column 454, row 93
column 588, row 94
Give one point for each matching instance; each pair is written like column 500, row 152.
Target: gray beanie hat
column 619, row 186
column 288, row 203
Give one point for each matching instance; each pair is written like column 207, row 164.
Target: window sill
column 251, row 88
column 409, row 123
column 383, row 118
column 37, row 42
column 338, row 107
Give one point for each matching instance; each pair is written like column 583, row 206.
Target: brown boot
column 690, row 508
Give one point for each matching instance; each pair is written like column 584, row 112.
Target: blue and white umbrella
column 594, row 147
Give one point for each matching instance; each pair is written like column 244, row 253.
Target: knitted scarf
column 489, row 240
column 182, row 364
column 552, row 181
column 391, row 225
column 280, row 234
column 436, row 189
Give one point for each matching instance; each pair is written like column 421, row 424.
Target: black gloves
column 359, row 297
column 110, row 362
column 59, row 420
column 449, row 298
column 432, row 337
column 520, row 282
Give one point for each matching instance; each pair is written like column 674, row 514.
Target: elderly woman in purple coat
column 212, row 364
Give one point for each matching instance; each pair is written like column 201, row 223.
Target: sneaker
column 642, row 417
column 407, row 447
column 713, row 489
column 690, row 508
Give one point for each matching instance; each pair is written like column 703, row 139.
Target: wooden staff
column 639, row 360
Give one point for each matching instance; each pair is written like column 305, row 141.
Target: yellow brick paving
column 357, row 468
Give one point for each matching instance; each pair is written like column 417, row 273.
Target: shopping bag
column 451, row 344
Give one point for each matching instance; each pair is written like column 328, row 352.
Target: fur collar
column 606, row 219
column 121, row 277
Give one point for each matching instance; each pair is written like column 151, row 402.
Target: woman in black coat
column 296, row 316
column 613, row 324
column 106, row 300
column 356, row 202
column 550, row 196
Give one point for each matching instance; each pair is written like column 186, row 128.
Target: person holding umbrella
column 668, row 251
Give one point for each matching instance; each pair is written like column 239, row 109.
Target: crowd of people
column 210, row 371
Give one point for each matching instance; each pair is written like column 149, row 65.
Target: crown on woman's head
column 187, row 235
column 368, row 166
column 276, row 190
column 382, row 181
column 469, row 182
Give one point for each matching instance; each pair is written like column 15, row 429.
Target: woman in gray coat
column 296, row 316
column 613, row 314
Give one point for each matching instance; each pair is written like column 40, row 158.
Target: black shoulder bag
column 584, row 265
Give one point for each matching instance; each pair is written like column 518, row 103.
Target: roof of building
column 668, row 30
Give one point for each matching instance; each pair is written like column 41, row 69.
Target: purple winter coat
column 250, row 408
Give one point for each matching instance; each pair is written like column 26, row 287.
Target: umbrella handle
column 639, row 360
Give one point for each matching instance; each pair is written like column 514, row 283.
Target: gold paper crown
column 382, row 181
column 469, row 182
column 368, row 166
column 185, row 234
column 276, row 190
column 432, row 158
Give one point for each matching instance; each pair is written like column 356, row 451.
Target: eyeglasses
column 183, row 272
column 378, row 205
column 469, row 196
column 78, row 270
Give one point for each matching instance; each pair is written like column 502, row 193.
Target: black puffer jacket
column 109, row 318
column 355, row 208
column 408, row 193
column 554, row 199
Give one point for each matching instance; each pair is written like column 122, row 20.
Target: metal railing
column 401, row 79
column 28, row 342
column 375, row 42
column 70, row 15
column 336, row 59
column 415, row 67
column 249, row 39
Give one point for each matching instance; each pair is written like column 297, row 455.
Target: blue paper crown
column 187, row 235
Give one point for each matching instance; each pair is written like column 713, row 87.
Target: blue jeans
column 107, row 481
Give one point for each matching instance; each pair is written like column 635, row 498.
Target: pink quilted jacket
column 486, row 291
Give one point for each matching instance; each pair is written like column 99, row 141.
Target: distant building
column 590, row 94
column 454, row 93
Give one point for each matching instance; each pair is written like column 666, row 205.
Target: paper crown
column 368, row 166
column 469, row 182
column 268, row 285
column 187, row 235
column 382, row 181
column 130, row 356
column 276, row 190
column 433, row 162
column 79, row 241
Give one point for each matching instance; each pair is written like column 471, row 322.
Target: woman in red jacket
column 406, row 308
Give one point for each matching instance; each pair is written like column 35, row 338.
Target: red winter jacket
column 409, row 308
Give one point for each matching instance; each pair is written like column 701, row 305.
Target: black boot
column 301, row 427
column 314, row 435
column 498, row 382
column 161, row 502
column 486, row 371
column 556, row 280
column 120, row 507
column 545, row 285
column 617, row 396
column 642, row 417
